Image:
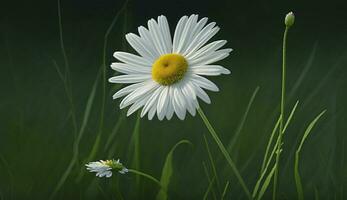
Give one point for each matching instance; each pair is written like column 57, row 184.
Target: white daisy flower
column 167, row 75
column 105, row 168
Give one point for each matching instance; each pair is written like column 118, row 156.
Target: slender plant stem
column 282, row 115
column 224, row 152
column 149, row 177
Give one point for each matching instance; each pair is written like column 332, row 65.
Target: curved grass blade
column 225, row 153
column 136, row 142
column 297, row 177
column 266, row 162
column 167, row 171
column 210, row 184
column 225, row 190
column 266, row 183
column 212, row 163
column 274, row 132
column 78, row 139
column 232, row 143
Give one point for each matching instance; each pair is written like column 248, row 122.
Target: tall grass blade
column 297, row 177
column 136, row 142
column 167, row 171
column 225, row 190
column 78, row 139
column 267, row 161
column 96, row 144
column 225, row 153
column 210, row 183
column 209, row 188
column 212, row 163
column 266, row 183
column 115, row 130
column 243, row 120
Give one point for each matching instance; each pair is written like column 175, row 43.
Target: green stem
column 283, row 89
column 224, row 152
column 149, row 177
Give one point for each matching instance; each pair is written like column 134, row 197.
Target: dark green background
column 36, row 134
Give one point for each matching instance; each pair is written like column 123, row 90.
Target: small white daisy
column 167, row 76
column 105, row 168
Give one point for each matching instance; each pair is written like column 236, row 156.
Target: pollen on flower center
column 169, row 69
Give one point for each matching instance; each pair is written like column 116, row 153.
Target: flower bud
column 289, row 20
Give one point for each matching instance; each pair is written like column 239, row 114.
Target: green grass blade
column 212, row 163
column 225, row 190
column 114, row 131
column 225, row 153
column 167, row 171
column 209, row 188
column 267, row 161
column 136, row 142
column 273, row 133
column 266, row 183
column 297, row 177
column 210, row 183
column 78, row 139
column 147, row 176
column 232, row 143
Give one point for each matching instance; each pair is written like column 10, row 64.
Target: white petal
column 204, row 83
column 178, row 32
column 147, row 38
column 170, row 110
column 201, row 93
column 138, row 94
column 131, row 78
column 151, row 101
column 162, row 103
column 204, row 36
column 189, row 99
column 130, row 69
column 128, row 89
column 211, row 58
column 138, row 104
column 179, row 103
column 165, row 29
column 209, row 70
column 157, row 37
column 132, row 59
column 206, row 50
column 185, row 38
column 141, row 46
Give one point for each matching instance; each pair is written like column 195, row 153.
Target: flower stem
column 224, row 152
column 283, row 90
column 145, row 175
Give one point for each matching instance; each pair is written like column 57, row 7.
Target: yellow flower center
column 169, row 69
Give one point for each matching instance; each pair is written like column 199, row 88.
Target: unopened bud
column 289, row 20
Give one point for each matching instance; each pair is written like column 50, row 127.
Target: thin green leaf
column 136, row 142
column 298, row 183
column 266, row 183
column 78, row 139
column 225, row 190
column 234, row 139
column 167, row 171
column 212, row 163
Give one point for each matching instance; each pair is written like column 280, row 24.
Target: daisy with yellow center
column 167, row 75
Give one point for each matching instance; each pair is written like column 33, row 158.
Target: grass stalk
column 225, row 153
column 282, row 114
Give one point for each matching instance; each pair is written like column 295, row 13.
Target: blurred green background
column 37, row 131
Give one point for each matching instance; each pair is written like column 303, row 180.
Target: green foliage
column 167, row 171
column 297, row 177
